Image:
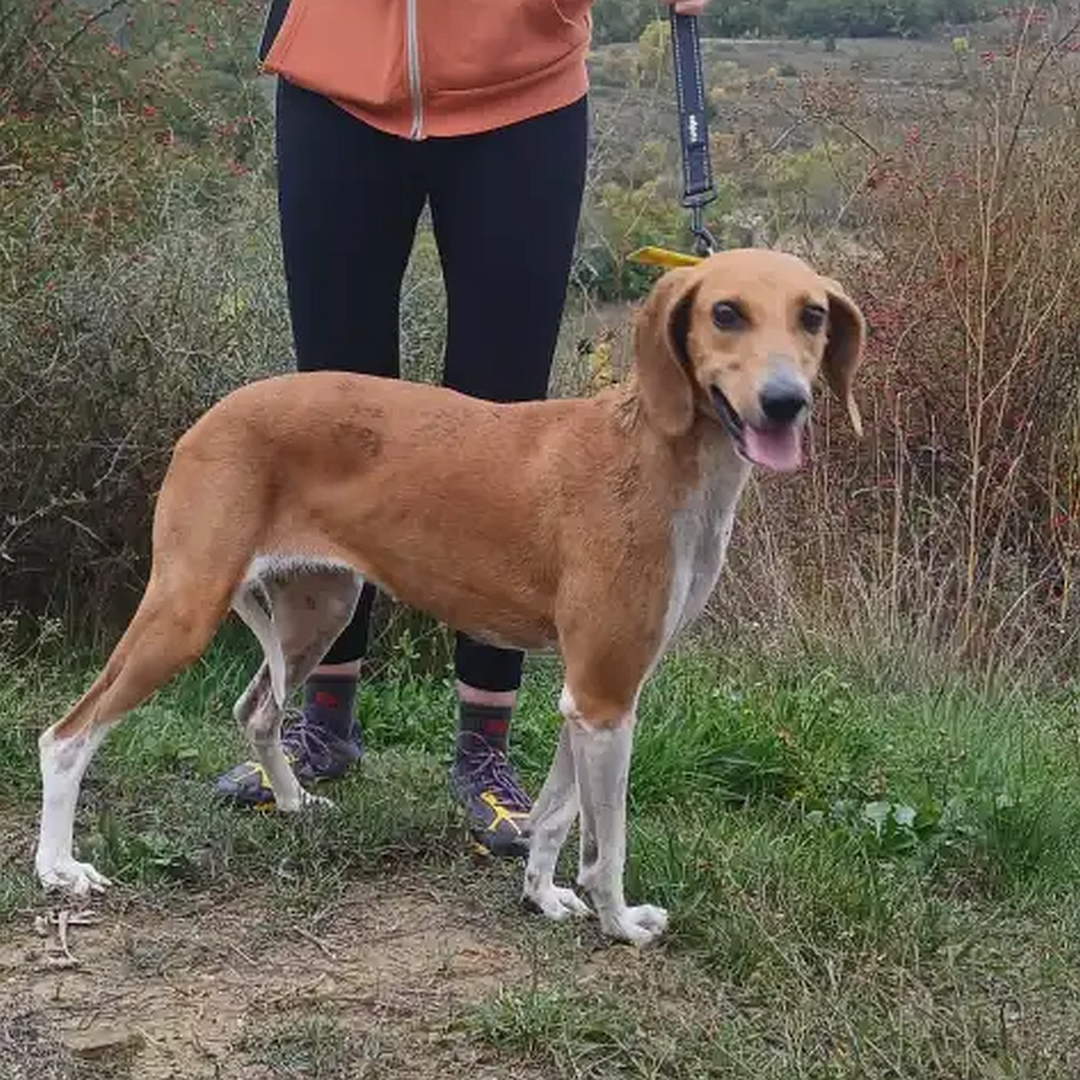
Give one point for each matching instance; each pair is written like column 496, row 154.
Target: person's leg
column 349, row 198
column 505, row 207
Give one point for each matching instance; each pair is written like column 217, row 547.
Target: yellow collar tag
column 657, row 256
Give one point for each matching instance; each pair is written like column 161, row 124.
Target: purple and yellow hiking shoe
column 313, row 751
column 496, row 806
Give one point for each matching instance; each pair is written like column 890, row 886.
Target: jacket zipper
column 412, row 46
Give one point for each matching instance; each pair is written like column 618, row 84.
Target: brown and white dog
column 597, row 526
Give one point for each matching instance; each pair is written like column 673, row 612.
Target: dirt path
column 199, row 988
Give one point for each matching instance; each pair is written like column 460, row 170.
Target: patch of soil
column 189, row 989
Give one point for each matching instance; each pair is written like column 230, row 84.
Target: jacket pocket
column 489, row 42
column 349, row 49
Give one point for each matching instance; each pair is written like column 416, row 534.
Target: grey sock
column 481, row 730
column 328, row 703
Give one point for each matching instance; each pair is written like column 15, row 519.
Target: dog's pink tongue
column 778, row 448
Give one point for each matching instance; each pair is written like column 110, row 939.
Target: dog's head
column 741, row 337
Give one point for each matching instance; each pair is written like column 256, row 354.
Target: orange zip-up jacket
column 419, row 68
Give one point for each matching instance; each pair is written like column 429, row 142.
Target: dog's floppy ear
column 843, row 353
column 660, row 352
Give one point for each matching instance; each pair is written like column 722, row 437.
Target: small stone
column 103, row 1041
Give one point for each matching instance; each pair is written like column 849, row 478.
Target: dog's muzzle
column 774, row 441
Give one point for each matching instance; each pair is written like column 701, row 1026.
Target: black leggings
column 504, row 207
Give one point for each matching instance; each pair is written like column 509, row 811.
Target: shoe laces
column 482, row 767
column 302, row 740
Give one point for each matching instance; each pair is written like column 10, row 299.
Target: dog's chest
column 700, row 533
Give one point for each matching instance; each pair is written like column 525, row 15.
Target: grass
column 865, row 881
column 315, row 1046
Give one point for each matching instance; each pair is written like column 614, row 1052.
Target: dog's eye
column 812, row 318
column 727, row 316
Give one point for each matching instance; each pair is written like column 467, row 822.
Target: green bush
column 956, row 522
column 138, row 277
column 139, row 283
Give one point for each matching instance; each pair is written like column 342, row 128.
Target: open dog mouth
column 775, row 446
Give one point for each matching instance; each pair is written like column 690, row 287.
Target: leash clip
column 704, row 242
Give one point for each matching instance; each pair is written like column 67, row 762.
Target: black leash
column 698, row 189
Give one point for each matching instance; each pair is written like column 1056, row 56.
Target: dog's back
column 370, row 472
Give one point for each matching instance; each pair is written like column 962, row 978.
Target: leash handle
column 698, row 189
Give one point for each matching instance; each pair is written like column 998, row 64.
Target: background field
column 855, row 786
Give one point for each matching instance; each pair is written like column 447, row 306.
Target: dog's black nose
column 783, row 399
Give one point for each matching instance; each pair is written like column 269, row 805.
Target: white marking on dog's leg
column 259, row 714
column 263, row 726
column 602, row 765
column 552, row 815
column 305, row 607
column 264, row 733
column 249, row 700
column 63, row 764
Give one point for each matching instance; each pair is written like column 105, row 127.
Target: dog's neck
column 701, row 525
column 723, row 471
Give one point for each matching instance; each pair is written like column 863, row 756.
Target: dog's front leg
column 553, row 813
column 602, row 767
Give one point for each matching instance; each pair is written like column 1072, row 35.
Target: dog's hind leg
column 296, row 615
column 259, row 686
column 171, row 628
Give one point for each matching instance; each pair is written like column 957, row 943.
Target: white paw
column 74, row 877
column 637, row 925
column 557, row 903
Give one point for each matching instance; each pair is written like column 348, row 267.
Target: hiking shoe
column 313, row 753
column 496, row 806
